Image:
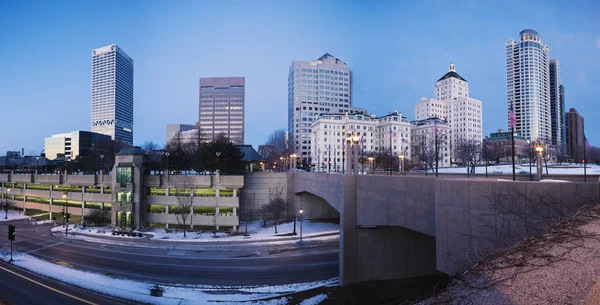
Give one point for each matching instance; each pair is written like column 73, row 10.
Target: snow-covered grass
column 140, row 291
column 255, row 232
column 11, row 216
column 553, row 169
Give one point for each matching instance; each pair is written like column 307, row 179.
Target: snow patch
column 140, row 291
column 314, row 300
column 11, row 216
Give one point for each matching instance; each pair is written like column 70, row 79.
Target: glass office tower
column 112, row 93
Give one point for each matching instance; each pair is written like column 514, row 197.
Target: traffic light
column 12, row 232
column 68, row 217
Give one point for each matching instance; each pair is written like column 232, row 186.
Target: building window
column 124, row 176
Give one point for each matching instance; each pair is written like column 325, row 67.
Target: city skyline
column 388, row 73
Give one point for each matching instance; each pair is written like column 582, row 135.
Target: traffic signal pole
column 12, row 232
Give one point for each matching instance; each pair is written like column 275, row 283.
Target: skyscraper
column 528, row 86
column 112, row 93
column 561, row 93
column 222, row 108
column 575, row 135
column 555, row 103
column 323, row 85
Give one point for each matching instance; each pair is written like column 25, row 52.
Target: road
column 191, row 265
column 19, row 286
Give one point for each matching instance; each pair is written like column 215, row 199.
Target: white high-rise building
column 453, row 105
column 330, row 130
column 320, row 86
column 528, row 86
column 422, row 138
column 112, row 93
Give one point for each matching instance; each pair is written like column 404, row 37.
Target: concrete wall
column 474, row 217
column 454, row 220
column 255, row 192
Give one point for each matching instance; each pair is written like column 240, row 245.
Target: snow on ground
column 11, row 216
column 314, row 300
column 140, row 291
column 97, row 231
column 553, row 169
column 255, row 232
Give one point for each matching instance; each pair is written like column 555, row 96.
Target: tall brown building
column 222, row 108
column 575, row 135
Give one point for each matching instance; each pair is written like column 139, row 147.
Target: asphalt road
column 19, row 286
column 244, row 265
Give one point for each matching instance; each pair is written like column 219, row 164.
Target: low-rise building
column 423, row 140
column 376, row 135
column 134, row 198
column 498, row 147
column 69, row 146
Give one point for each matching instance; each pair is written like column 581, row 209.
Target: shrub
column 98, row 217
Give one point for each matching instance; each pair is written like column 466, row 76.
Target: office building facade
column 575, row 135
column 323, row 85
column 222, row 102
column 423, row 135
column 70, row 146
column 174, row 129
column 452, row 104
column 528, row 86
column 112, row 93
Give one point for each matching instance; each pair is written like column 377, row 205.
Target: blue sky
column 396, row 49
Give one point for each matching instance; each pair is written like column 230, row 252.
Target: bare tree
column 550, row 153
column 469, row 151
column 184, row 203
column 264, row 214
column 424, row 152
column 276, row 204
column 277, row 140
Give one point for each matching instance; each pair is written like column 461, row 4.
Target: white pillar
column 101, row 190
column 234, row 192
column 218, row 193
column 234, row 211
column 101, row 205
column 166, row 209
column 167, row 192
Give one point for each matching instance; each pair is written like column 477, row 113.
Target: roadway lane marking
column 62, row 242
column 48, row 287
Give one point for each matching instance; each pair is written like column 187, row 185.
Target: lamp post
column 6, row 203
column 539, row 151
column 102, row 165
column 301, row 218
column 65, row 196
column 401, row 165
column 530, row 150
column 36, row 165
column 167, row 154
column 372, row 169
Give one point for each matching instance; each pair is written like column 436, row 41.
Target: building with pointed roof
column 323, row 85
column 453, row 104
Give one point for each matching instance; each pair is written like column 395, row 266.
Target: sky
column 396, row 49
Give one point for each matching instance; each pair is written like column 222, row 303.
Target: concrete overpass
column 399, row 227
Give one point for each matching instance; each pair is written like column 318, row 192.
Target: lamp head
column 8, row 189
column 539, row 149
column 401, row 156
column 355, row 138
column 301, row 211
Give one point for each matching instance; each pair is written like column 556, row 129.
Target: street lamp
column 371, row 164
column 539, row 150
column 530, row 159
column 167, row 154
column 6, row 203
column 102, row 164
column 401, row 167
column 301, row 217
column 65, row 196
column 218, row 153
